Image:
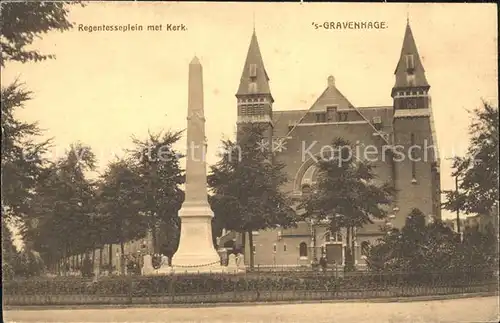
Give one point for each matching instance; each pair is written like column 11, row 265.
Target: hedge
column 221, row 283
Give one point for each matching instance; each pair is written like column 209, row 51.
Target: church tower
column 411, row 90
column 416, row 164
column 254, row 97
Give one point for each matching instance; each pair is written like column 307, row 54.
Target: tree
column 22, row 22
column 345, row 194
column 63, row 206
column 411, row 249
column 246, row 184
column 479, row 249
column 22, row 155
column 159, row 176
column 119, row 205
column 421, row 248
column 478, row 170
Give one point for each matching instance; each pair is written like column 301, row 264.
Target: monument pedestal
column 196, row 252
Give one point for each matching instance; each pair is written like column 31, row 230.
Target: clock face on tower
column 412, row 104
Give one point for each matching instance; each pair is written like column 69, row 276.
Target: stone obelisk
column 196, row 252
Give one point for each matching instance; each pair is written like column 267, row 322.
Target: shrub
column 138, row 286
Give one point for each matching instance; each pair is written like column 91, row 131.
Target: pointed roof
column 331, row 96
column 261, row 79
column 195, row 61
column 401, row 72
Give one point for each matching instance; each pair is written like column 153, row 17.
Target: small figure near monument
column 240, row 262
column 164, row 261
column 323, row 263
column 147, row 267
column 232, row 267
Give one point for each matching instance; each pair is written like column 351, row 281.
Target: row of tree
column 22, row 149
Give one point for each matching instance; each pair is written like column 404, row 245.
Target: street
column 478, row 309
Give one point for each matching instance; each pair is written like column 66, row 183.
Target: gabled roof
column 401, row 72
column 331, row 96
column 254, row 56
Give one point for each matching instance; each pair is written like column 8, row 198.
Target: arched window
column 303, row 249
column 365, row 247
column 309, row 175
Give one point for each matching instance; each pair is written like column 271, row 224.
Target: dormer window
column 331, row 111
column 253, row 70
column 377, row 122
column 410, row 63
column 252, row 87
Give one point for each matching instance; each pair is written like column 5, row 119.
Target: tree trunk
column 154, row 238
column 110, row 257
column 250, row 246
column 242, row 243
column 348, row 258
column 353, row 247
column 93, row 259
column 122, row 258
column 100, row 258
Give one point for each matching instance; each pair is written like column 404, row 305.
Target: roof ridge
column 306, row 112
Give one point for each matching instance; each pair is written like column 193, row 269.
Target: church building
column 407, row 123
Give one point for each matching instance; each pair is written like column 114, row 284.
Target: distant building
column 479, row 221
column 408, row 122
column 452, row 224
column 482, row 221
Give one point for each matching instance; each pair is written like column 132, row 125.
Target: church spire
column 410, row 72
column 254, row 79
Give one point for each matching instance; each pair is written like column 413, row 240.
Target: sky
column 104, row 87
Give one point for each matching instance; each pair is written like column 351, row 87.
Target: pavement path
column 477, row 309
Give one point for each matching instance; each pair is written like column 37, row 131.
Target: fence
column 251, row 287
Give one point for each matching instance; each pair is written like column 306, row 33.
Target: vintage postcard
column 191, row 162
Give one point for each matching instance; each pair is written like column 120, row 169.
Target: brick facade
column 384, row 129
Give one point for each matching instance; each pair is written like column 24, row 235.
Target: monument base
column 166, row 270
column 196, row 249
column 214, row 269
